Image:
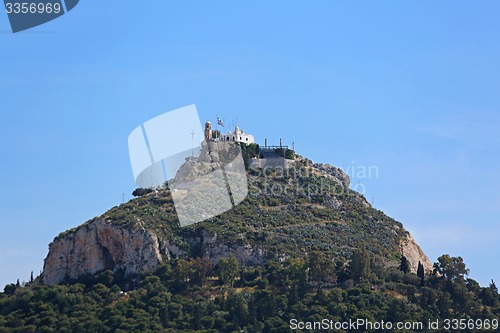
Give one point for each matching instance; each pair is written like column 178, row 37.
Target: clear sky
column 410, row 88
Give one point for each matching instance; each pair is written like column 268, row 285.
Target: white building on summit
column 236, row 136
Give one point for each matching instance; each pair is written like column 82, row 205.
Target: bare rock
column 412, row 251
column 336, row 173
column 98, row 246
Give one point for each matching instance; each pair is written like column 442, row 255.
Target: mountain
column 301, row 253
column 289, row 212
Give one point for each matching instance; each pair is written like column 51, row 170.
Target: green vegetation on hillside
column 326, row 253
column 192, row 296
column 286, row 211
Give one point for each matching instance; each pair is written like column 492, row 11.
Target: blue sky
column 410, row 88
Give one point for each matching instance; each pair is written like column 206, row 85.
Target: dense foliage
column 193, row 296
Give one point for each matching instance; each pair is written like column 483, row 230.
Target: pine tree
column 420, row 271
column 450, row 268
column 320, row 268
column 493, row 287
column 228, row 270
column 404, row 266
column 359, row 267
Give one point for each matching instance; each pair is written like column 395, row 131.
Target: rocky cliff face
column 100, row 245
column 414, row 254
column 144, row 233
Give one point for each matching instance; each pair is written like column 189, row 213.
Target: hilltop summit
column 289, row 212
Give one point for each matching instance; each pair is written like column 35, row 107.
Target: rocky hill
column 300, row 248
column 288, row 213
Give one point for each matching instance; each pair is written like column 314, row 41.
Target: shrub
column 139, row 192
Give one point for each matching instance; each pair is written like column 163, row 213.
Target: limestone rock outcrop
column 412, row 251
column 99, row 245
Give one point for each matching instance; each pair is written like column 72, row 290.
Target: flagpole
column 219, row 122
column 217, row 127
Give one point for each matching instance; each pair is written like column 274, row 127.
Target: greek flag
column 219, row 121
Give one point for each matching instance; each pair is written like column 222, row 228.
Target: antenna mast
column 192, row 143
